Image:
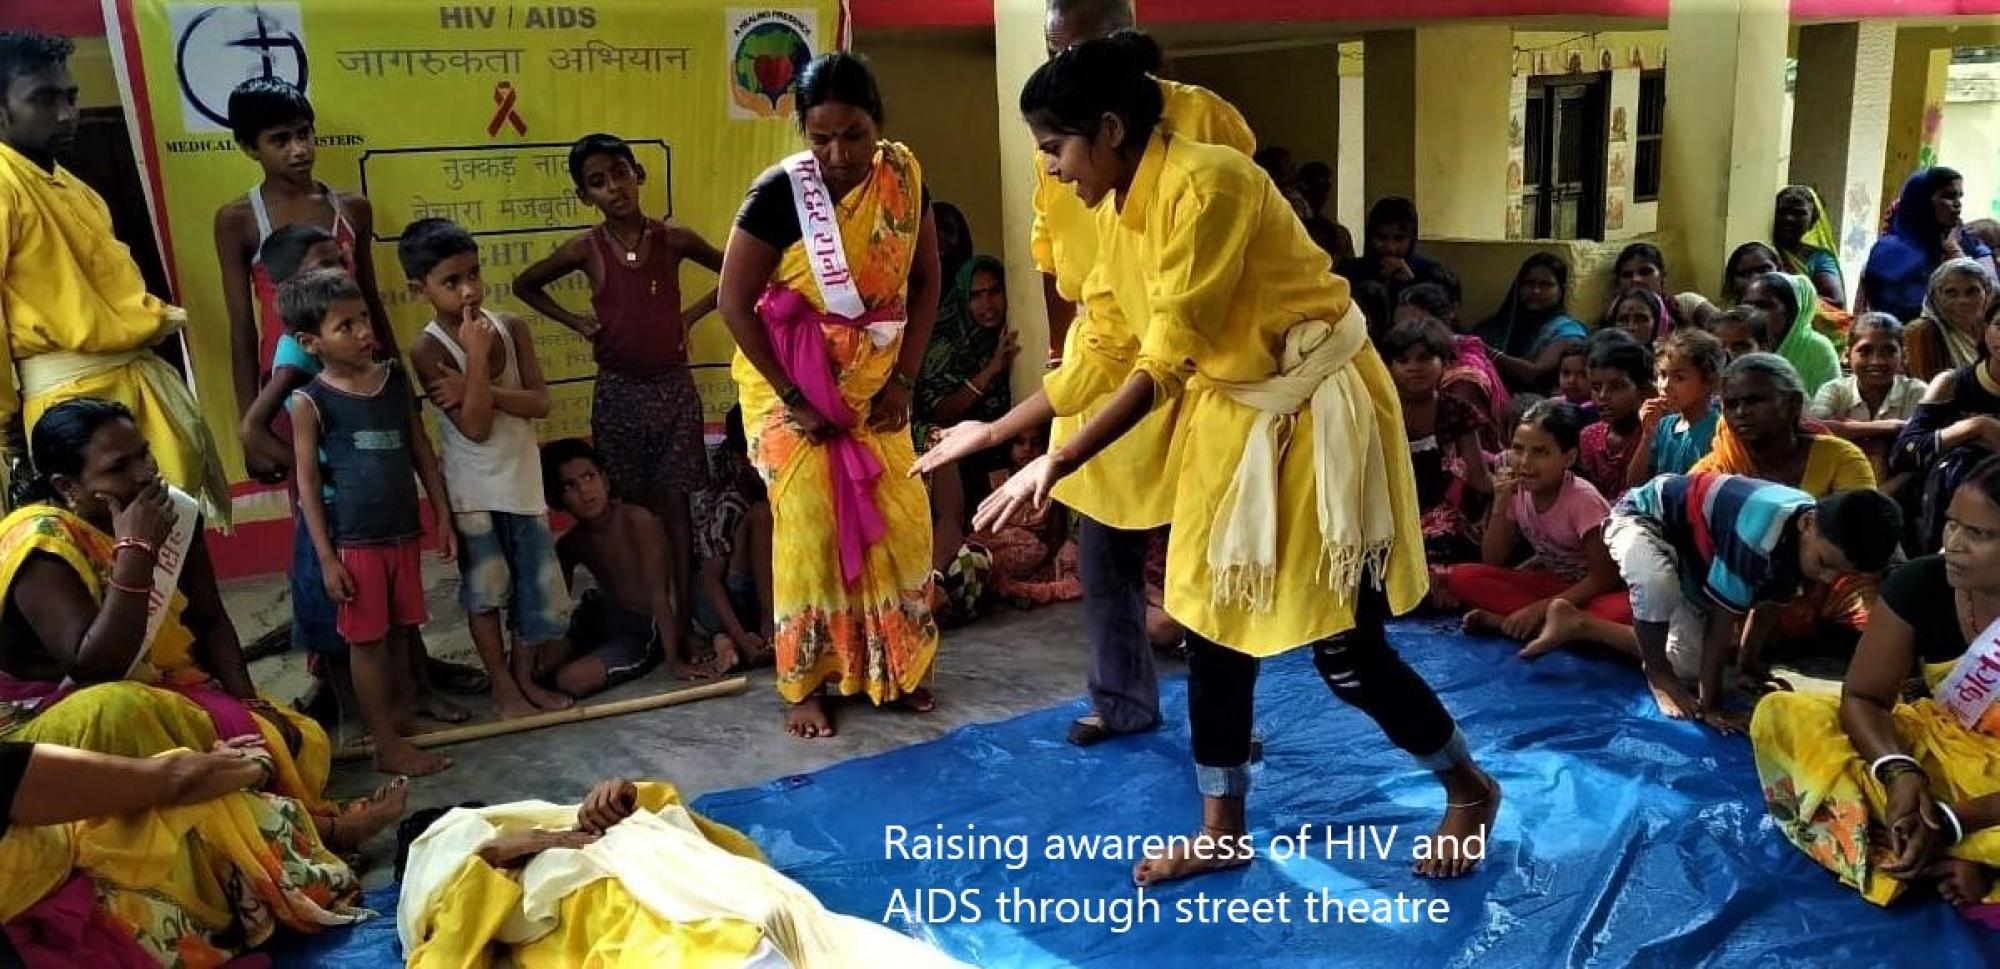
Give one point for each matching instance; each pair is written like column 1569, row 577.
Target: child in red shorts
column 356, row 438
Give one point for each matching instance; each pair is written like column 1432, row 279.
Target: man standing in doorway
column 74, row 310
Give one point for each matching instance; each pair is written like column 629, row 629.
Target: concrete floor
column 1009, row 664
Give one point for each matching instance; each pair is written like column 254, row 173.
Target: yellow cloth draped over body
column 78, row 322
column 1131, row 484
column 1823, row 800
column 875, row 636
column 664, row 887
column 196, row 885
column 139, row 716
column 1212, row 258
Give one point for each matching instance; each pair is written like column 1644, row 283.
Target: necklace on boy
column 632, row 251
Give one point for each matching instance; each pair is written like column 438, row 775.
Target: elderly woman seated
column 630, row 877
column 1765, row 434
column 1884, row 792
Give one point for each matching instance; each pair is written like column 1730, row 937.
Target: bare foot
column 366, row 818
column 512, row 703
column 918, row 700
column 1210, row 851
column 1560, row 625
column 546, row 698
column 1960, row 882
column 433, row 706
column 809, row 719
column 1451, row 854
column 1673, row 698
column 402, row 757
column 726, row 655
column 1481, row 622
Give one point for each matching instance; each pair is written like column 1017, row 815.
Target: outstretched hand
column 1024, row 494
column 960, row 441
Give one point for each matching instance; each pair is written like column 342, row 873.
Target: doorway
column 1562, row 188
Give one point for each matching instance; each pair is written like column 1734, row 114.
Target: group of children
column 323, row 370
column 1575, row 519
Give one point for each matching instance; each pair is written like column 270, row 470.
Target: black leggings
column 1359, row 665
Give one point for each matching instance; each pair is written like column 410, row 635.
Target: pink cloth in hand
column 793, row 327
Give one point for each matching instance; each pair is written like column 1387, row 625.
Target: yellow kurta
column 68, row 286
column 1212, row 258
column 1098, row 355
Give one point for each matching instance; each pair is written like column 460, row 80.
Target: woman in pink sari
column 830, row 286
column 1471, row 377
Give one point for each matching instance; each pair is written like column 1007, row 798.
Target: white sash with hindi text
column 1969, row 691
column 167, row 567
column 821, row 236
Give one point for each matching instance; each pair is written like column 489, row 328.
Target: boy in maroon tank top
column 645, row 415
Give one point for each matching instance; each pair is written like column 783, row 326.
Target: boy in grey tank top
column 480, row 370
column 356, row 440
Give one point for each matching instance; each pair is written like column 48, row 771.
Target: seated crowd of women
column 1526, row 427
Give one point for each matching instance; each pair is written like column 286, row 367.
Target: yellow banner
column 467, row 111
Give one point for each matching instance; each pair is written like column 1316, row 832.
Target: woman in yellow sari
column 830, row 287
column 172, row 860
column 1295, row 510
column 1882, row 792
column 87, row 660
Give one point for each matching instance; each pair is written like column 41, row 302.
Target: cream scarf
column 1357, row 525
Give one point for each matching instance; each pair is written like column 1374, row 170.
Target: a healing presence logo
column 768, row 50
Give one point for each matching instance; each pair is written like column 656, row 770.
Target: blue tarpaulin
column 1623, row 839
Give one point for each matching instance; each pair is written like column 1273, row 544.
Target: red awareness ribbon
column 504, row 96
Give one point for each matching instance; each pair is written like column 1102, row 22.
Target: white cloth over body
column 669, row 867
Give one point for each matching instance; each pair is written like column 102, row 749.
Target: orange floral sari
column 874, row 635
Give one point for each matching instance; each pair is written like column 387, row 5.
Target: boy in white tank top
column 482, row 378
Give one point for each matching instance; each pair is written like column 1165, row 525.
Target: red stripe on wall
column 68, row 18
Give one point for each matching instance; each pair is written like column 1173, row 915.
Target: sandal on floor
column 1089, row 731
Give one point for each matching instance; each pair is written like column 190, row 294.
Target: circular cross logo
column 217, row 48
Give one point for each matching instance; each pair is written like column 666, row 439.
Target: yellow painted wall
column 96, row 80
column 1290, row 97
column 941, row 100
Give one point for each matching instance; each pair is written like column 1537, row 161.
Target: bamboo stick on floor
column 576, row 714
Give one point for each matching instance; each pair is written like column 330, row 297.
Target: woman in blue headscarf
column 1532, row 327
column 1923, row 234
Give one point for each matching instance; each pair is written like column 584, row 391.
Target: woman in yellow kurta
column 75, row 315
column 830, row 286
column 1128, row 491
column 76, row 668
column 118, row 861
column 1295, row 518
column 1882, row 792
column 630, row 877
